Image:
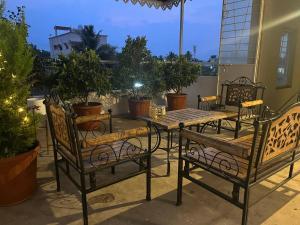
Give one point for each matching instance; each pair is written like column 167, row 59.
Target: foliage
column 16, row 60
column 89, row 39
column 179, row 73
column 138, row 72
column 82, row 73
column 43, row 68
column 107, row 52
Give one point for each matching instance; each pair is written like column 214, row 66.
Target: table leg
column 169, row 141
column 219, row 126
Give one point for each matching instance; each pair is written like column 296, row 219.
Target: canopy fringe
column 163, row 4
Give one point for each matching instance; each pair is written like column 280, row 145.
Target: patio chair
column 84, row 156
column 243, row 162
column 241, row 95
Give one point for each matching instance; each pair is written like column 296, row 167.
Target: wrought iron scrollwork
column 222, row 161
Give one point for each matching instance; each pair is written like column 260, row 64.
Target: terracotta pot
column 93, row 108
column 176, row 101
column 139, row 107
column 18, row 177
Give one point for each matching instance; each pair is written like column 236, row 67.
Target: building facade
column 61, row 44
column 260, row 40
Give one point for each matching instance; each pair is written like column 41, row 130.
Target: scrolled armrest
column 83, row 119
column 217, row 143
column 117, row 136
column 208, row 98
column 252, row 103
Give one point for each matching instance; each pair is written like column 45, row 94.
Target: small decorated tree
column 18, row 147
column 16, row 60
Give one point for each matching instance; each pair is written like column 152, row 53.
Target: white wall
column 205, row 86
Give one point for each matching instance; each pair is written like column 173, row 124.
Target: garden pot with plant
column 18, row 145
column 80, row 74
column 138, row 74
column 179, row 73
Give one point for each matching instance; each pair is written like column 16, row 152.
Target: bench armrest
column 252, row 103
column 117, row 136
column 217, row 143
column 208, row 98
column 83, row 119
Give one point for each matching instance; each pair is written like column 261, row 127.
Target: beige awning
column 163, row 4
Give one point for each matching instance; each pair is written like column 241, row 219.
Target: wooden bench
column 246, row 161
column 241, row 95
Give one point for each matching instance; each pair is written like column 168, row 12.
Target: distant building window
column 66, row 45
column 283, row 70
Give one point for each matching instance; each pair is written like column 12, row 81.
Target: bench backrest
column 61, row 133
column 282, row 134
column 240, row 90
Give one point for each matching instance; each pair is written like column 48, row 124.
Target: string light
column 20, row 109
column 13, row 76
column 26, row 119
column 6, row 101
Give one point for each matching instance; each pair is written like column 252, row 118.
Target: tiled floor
column 124, row 204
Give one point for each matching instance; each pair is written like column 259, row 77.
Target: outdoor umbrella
column 166, row 4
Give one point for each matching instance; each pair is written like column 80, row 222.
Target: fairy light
column 13, row 76
column 20, row 109
column 26, row 119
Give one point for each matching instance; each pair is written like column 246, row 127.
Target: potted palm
column 18, row 145
column 139, row 74
column 178, row 73
column 79, row 74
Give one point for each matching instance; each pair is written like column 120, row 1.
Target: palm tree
column 89, row 39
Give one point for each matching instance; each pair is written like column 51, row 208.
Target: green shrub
column 82, row 73
column 179, row 73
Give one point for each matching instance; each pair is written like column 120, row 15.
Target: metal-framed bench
column 243, row 162
column 241, row 95
column 85, row 156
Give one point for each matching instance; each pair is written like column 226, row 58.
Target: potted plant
column 139, row 74
column 178, row 73
column 18, row 145
column 79, row 74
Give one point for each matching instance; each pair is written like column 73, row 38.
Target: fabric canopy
column 163, row 4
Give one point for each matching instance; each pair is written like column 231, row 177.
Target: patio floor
column 124, row 203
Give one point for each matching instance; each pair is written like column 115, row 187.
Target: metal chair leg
column 179, row 184
column 83, row 200
column 56, row 171
column 113, row 170
column 237, row 129
column 236, row 192
column 148, row 178
column 246, row 207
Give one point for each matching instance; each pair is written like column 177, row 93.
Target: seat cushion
column 110, row 154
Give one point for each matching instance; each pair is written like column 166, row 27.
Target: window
column 238, row 39
column 283, row 68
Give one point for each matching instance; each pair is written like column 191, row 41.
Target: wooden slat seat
column 109, row 154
